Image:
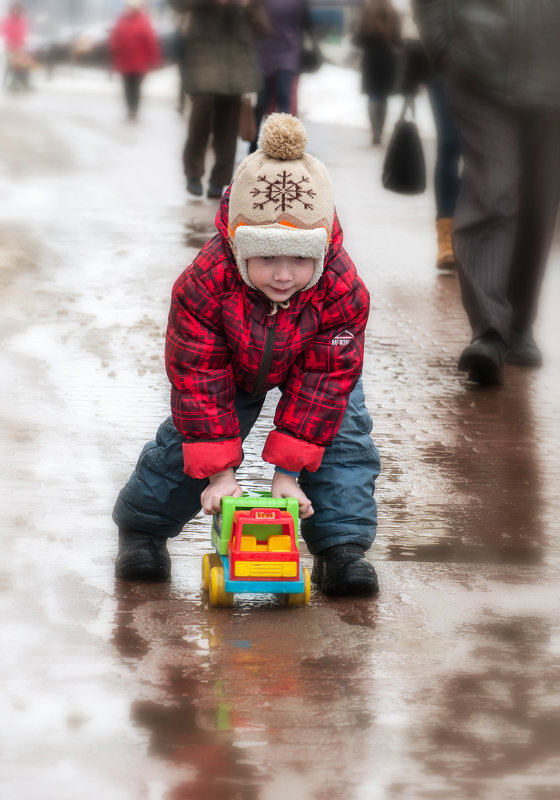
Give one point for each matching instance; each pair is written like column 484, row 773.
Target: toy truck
column 256, row 544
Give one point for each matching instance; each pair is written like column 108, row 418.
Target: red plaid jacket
column 221, row 335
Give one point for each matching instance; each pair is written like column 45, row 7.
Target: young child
column 272, row 300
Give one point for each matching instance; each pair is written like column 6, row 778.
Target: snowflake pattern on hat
column 283, row 192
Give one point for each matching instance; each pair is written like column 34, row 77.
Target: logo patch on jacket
column 342, row 338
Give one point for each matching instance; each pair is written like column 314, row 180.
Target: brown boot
column 446, row 256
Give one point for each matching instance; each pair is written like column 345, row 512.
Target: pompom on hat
column 281, row 200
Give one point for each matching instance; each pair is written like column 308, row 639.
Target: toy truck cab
column 256, row 543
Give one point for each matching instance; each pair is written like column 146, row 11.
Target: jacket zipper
column 268, row 349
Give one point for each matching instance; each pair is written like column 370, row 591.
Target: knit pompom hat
column 281, row 200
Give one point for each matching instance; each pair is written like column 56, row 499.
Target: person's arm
column 307, row 19
column 114, row 38
column 430, row 19
column 222, row 484
column 396, row 30
column 258, row 18
column 284, row 485
column 199, row 368
column 152, row 44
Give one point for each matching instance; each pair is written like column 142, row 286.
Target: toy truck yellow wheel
column 209, row 560
column 302, row 598
column 216, row 586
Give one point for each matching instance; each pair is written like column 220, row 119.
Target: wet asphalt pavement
column 445, row 686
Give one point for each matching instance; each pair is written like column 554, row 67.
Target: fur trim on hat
column 277, row 240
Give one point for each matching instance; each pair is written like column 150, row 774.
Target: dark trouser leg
column 263, row 102
column 280, row 86
column 342, row 489
column 158, row 497
column 225, row 128
column 198, row 133
column 446, row 175
column 540, row 192
column 136, row 89
column 284, row 80
column 486, row 217
column 132, row 83
column 129, row 92
column 377, row 108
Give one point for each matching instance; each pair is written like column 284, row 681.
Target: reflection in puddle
column 234, row 701
column 494, row 718
column 457, row 553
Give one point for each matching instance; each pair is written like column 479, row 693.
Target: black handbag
column 311, row 56
column 404, row 168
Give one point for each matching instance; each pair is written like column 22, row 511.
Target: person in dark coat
column 378, row 35
column 417, row 72
column 135, row 51
column 279, row 56
column 501, row 62
column 220, row 66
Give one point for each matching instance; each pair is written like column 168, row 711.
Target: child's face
column 280, row 277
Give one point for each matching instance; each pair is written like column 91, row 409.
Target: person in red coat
column 272, row 301
column 135, row 51
column 14, row 31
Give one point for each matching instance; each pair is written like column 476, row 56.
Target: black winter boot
column 344, row 570
column 142, row 557
column 523, row 350
column 483, row 359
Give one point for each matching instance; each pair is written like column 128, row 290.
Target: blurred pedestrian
column 379, row 36
column 501, row 61
column 273, row 300
column 220, row 66
column 14, row 30
column 135, row 50
column 418, row 72
column 279, row 56
column 182, row 22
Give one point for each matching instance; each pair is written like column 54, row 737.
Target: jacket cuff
column 292, row 454
column 202, row 459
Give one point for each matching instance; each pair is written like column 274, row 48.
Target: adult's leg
column 486, row 217
column 377, row 109
column 263, row 102
column 159, row 499
column 137, row 88
column 447, row 179
column 225, row 129
column 540, row 194
column 198, row 132
column 283, row 82
column 128, row 91
column 342, row 489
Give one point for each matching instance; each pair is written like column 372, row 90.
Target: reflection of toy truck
column 256, row 543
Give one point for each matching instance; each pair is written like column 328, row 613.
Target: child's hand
column 286, row 486
column 222, row 484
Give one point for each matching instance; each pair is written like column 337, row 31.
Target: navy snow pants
column 159, row 498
